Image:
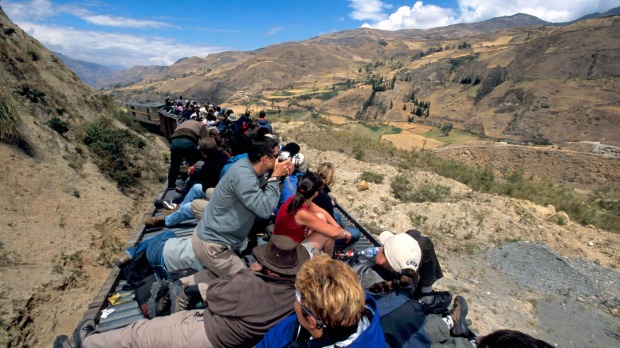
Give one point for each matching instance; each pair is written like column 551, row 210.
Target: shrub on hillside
column 373, row 177
column 114, row 151
column 58, row 125
column 9, row 118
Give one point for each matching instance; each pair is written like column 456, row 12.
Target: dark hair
column 511, row 339
column 260, row 147
column 211, row 116
column 308, row 185
column 239, row 144
column 261, row 114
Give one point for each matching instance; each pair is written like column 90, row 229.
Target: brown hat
column 281, row 255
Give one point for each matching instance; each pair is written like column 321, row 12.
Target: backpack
column 153, row 294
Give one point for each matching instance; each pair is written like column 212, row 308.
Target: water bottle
column 369, row 252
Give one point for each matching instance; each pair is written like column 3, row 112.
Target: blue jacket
column 402, row 320
column 283, row 334
column 230, row 162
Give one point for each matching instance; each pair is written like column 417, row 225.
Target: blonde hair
column 332, row 291
column 327, row 172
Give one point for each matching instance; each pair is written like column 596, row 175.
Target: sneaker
column 169, row 205
column 459, row 314
column 83, row 330
column 178, row 298
column 155, row 221
column 438, row 305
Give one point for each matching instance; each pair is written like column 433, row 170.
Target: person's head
column 510, row 339
column 264, row 152
column 239, row 144
column 327, row 171
column 281, row 255
column 400, row 253
column 329, row 296
column 307, row 188
column 261, row 114
column 207, row 146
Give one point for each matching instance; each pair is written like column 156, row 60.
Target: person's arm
column 260, row 202
column 310, row 220
column 316, row 209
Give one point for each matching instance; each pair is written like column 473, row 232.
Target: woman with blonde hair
column 331, row 310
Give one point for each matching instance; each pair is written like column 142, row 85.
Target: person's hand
column 347, row 236
column 283, row 168
column 256, row 267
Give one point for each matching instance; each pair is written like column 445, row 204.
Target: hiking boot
column 122, row 259
column 459, row 314
column 178, row 298
column 436, row 302
column 83, row 330
column 155, row 221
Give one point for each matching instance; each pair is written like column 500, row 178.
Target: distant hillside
column 89, row 72
column 514, row 77
column 129, row 76
column 612, row 12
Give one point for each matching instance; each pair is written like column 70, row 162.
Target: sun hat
column 281, row 255
column 401, row 251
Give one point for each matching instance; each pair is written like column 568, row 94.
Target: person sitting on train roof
column 331, row 310
column 207, row 177
column 263, row 123
column 305, row 222
column 183, row 144
column 327, row 172
column 236, row 201
column 393, row 279
column 233, row 317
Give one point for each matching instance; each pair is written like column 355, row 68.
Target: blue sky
column 154, row 32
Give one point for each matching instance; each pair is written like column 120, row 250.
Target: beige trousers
column 181, row 329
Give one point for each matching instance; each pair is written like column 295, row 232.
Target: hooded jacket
column 288, row 331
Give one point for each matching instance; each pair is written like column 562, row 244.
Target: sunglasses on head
column 321, row 324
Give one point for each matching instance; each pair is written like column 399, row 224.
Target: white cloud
column 421, row 16
column 122, row 22
column 274, row 30
column 114, row 48
column 36, row 9
column 372, row 10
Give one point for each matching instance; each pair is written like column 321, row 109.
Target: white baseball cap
column 401, row 251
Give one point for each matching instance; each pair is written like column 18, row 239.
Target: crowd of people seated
column 292, row 291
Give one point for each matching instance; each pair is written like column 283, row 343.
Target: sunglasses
column 319, row 322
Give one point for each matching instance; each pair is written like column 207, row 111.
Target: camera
column 284, row 155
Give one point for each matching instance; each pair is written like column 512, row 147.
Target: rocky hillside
column 62, row 217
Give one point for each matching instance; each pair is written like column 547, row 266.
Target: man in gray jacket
column 236, row 201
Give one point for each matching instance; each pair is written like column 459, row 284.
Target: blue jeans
column 154, row 249
column 195, row 192
column 184, row 213
column 180, row 149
